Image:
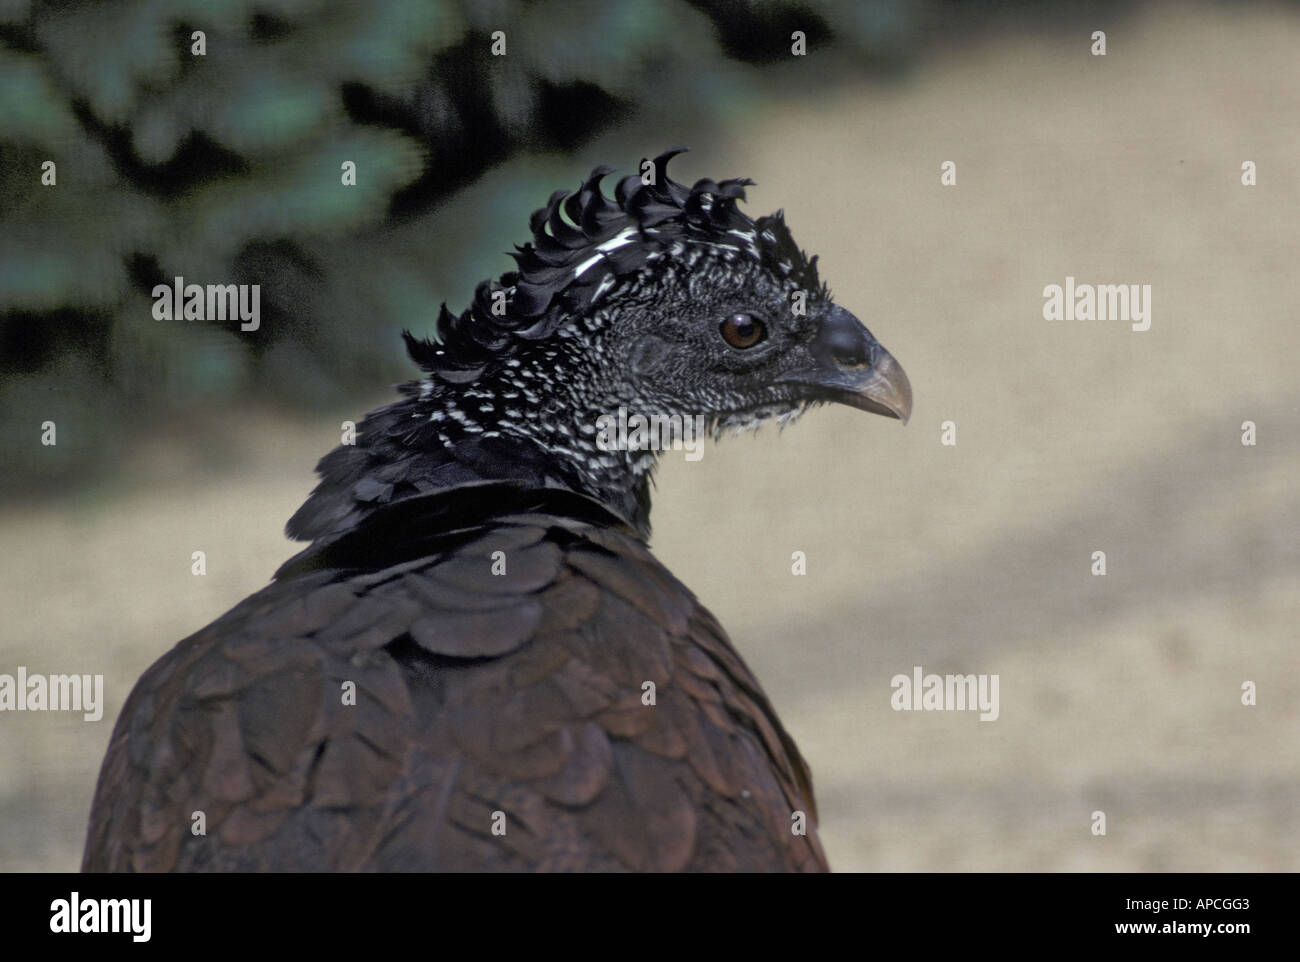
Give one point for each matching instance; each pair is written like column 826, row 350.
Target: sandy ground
column 1118, row 693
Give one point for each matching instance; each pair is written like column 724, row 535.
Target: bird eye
column 743, row 330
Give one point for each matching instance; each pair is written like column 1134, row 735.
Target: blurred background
column 1119, row 693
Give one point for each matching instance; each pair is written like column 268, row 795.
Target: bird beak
column 851, row 367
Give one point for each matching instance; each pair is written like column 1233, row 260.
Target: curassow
column 477, row 664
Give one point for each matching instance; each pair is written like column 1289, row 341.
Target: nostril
column 850, row 344
column 844, row 340
column 856, row 352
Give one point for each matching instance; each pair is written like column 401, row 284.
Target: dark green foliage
column 226, row 168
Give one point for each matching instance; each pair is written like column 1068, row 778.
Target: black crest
column 583, row 241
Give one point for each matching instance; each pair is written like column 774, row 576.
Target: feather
column 560, row 271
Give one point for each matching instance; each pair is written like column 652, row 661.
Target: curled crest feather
column 583, row 242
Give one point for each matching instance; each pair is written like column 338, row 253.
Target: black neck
column 439, row 437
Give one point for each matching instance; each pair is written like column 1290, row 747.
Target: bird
column 477, row 663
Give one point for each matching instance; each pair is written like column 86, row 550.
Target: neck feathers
column 440, row 436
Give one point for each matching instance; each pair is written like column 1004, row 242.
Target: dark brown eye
column 743, row 330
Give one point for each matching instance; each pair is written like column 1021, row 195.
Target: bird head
column 661, row 301
column 667, row 300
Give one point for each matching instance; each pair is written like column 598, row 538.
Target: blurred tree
column 206, row 139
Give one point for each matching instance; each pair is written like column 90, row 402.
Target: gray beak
column 853, row 368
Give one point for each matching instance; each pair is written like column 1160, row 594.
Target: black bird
column 477, row 663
